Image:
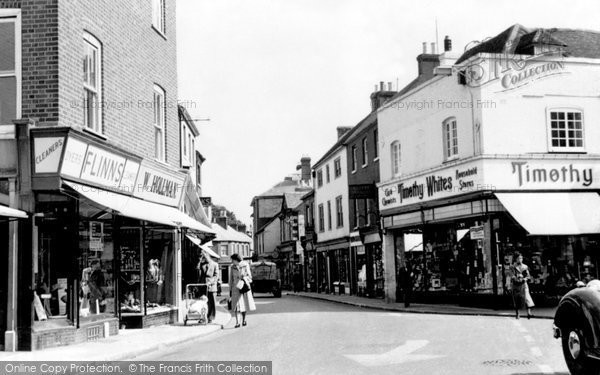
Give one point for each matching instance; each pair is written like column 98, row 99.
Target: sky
column 277, row 77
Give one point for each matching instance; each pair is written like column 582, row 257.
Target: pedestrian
column 520, row 288
column 97, row 288
column 297, row 282
column 406, row 282
column 240, row 293
column 209, row 270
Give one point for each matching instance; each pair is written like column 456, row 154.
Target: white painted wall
column 511, row 122
column 416, row 121
column 328, row 192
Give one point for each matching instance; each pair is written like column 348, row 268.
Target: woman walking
column 520, row 289
column 240, row 279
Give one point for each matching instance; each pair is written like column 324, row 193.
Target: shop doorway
column 53, row 271
column 3, row 280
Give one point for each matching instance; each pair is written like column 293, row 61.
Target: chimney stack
column 427, row 62
column 447, row 44
column 341, row 130
column 381, row 95
column 222, row 221
column 305, row 169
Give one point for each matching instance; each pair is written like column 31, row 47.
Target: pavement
column 311, row 336
column 129, row 343
column 380, row 304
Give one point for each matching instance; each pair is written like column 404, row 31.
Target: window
column 329, row 215
column 337, row 167
column 566, row 130
column 338, row 212
column 309, row 215
column 223, row 250
column 193, row 154
column 365, row 152
column 395, row 151
column 450, row 139
column 356, row 211
column 327, row 176
column 319, row 178
column 376, row 144
column 159, row 123
column 92, row 78
column 321, row 219
column 183, row 142
column 354, row 162
column 367, row 211
column 158, row 15
column 10, row 71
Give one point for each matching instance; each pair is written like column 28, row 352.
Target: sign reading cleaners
column 47, row 151
column 160, row 186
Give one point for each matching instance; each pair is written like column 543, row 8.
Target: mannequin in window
column 153, row 282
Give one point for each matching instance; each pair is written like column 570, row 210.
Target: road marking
column 536, row 351
column 545, row 369
column 528, row 338
column 398, row 355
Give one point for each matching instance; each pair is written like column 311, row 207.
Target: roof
column 288, row 185
column 266, row 225
column 293, row 200
column 573, row 42
column 229, row 234
column 185, row 116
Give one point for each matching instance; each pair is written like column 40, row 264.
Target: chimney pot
column 447, row 44
column 389, row 86
column 381, row 86
column 375, row 89
column 433, row 48
column 424, row 47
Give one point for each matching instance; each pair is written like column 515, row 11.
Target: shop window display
column 96, row 260
column 147, row 282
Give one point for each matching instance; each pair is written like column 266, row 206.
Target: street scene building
column 500, row 158
column 101, row 161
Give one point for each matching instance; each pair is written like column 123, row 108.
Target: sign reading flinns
column 493, row 174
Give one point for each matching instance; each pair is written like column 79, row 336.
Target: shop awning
column 137, row 208
column 12, row 212
column 554, row 213
column 196, row 241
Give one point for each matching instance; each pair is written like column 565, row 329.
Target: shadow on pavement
column 267, row 304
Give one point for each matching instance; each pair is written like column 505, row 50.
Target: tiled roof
column 293, row 200
column 575, row 43
column 229, row 234
column 288, row 185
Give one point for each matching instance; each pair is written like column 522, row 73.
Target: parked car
column 577, row 324
column 265, row 278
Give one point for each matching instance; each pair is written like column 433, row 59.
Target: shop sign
column 47, row 152
column 446, row 182
column 365, row 191
column 159, row 186
column 98, row 166
column 493, row 174
column 477, row 233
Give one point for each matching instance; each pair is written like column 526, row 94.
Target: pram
column 196, row 303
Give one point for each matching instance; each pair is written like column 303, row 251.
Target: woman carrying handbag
column 520, row 289
column 240, row 279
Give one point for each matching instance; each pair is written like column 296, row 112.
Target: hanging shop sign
column 46, row 154
column 158, row 185
column 492, row 174
column 98, row 166
column 477, row 233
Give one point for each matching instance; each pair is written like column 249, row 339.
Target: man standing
column 209, row 275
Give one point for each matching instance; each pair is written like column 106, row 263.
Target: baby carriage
column 196, row 303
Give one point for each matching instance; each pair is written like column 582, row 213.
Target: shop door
column 54, row 269
column 3, row 280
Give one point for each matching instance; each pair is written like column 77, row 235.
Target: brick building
column 95, row 158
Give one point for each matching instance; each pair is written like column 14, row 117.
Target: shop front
column 108, row 239
column 470, row 219
column 334, row 267
column 367, row 257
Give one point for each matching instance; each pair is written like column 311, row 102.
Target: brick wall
column 135, row 57
column 71, row 335
column 39, row 50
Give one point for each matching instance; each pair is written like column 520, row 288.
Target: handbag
column 243, row 286
column 229, row 304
